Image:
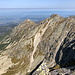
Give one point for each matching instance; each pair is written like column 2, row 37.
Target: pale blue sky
column 37, row 3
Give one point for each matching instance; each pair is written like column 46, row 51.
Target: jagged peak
column 49, row 18
column 55, row 15
column 27, row 20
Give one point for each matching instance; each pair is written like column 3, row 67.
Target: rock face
column 45, row 48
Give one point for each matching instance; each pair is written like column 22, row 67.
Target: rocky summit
column 46, row 48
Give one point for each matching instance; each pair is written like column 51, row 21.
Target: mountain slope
column 51, row 42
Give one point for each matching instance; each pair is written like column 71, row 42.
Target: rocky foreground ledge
column 46, row 48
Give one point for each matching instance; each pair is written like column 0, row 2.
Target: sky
column 70, row 4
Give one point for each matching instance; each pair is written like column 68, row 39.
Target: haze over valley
column 10, row 17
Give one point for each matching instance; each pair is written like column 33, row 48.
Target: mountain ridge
column 29, row 44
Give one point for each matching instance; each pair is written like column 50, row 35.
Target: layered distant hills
column 44, row 48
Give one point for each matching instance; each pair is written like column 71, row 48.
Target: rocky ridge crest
column 39, row 48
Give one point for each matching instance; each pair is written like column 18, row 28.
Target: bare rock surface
column 46, row 48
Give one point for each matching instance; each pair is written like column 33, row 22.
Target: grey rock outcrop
column 45, row 48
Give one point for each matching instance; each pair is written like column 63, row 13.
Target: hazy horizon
column 41, row 9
